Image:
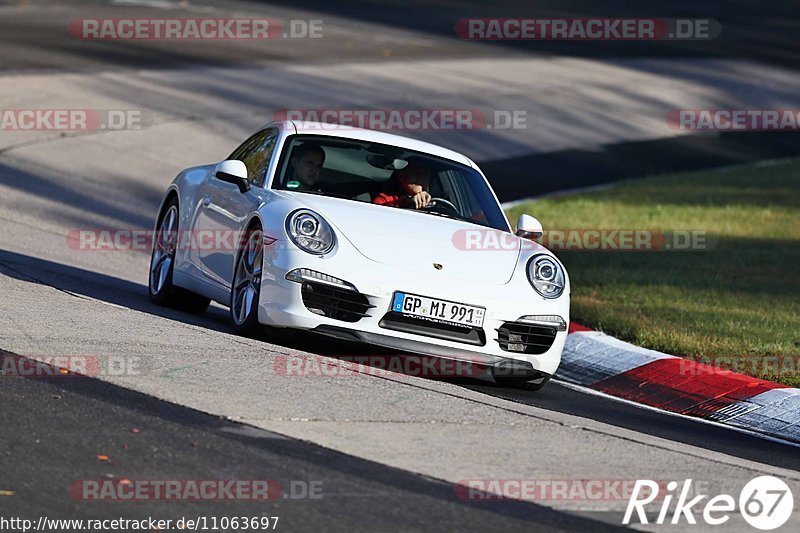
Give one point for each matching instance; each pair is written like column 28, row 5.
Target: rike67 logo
column 765, row 503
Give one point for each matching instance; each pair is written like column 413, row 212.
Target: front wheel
column 162, row 265
column 246, row 286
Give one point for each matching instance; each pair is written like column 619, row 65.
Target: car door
column 224, row 209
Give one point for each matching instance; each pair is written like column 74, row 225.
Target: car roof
column 361, row 134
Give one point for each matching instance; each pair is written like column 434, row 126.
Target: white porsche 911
column 364, row 236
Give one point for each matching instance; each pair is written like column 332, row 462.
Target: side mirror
column 528, row 227
column 233, row 171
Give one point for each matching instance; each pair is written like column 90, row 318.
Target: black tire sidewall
column 250, row 324
column 162, row 296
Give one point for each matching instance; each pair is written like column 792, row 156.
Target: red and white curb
column 602, row 363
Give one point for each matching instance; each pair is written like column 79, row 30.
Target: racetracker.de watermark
column 347, row 366
column 734, row 119
column 46, row 366
column 141, row 240
column 587, row 29
column 542, row 490
column 73, row 119
column 772, row 366
column 407, row 119
column 477, row 240
column 176, row 490
column 588, row 240
column 194, row 29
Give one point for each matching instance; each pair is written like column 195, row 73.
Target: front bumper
column 282, row 305
column 499, row 366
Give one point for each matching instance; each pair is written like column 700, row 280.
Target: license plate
column 437, row 310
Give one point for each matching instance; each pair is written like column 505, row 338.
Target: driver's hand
column 421, row 199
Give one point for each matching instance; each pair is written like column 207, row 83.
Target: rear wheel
column 162, row 265
column 246, row 286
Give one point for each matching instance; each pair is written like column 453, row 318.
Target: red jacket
column 392, row 200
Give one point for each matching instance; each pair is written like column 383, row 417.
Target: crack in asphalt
column 33, row 227
column 40, row 281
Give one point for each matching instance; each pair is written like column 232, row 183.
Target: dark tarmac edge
column 54, row 428
column 528, row 176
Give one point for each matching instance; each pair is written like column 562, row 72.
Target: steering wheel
column 436, row 202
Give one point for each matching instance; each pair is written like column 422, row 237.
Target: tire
column 246, row 283
column 162, row 264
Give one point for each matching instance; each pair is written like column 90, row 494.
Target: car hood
column 418, row 241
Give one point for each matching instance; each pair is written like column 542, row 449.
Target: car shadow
column 110, row 289
column 117, row 291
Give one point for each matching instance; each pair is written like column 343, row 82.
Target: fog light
column 545, row 320
column 300, row 275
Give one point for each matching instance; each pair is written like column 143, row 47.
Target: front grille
column 429, row 328
column 525, row 338
column 335, row 303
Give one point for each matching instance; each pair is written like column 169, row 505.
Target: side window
column 458, row 191
column 256, row 153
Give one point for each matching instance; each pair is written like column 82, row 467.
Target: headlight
column 310, row 232
column 546, row 276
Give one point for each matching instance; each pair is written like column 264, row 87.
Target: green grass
column 738, row 301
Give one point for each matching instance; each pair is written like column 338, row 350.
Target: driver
column 407, row 187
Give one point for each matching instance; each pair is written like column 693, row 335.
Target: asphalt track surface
column 761, row 31
column 65, row 422
column 33, row 37
column 210, row 405
column 555, row 397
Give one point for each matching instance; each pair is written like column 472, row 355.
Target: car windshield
column 368, row 172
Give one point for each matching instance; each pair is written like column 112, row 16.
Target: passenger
column 306, row 166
